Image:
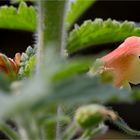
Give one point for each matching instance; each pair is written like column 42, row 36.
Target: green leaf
column 79, row 89
column 31, row 91
column 22, row 19
column 99, row 32
column 73, row 67
column 4, row 82
column 76, row 9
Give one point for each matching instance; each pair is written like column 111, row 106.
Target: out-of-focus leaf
column 4, row 82
column 99, row 32
column 22, row 19
column 31, row 92
column 80, row 89
column 73, row 67
column 86, row 89
column 77, row 7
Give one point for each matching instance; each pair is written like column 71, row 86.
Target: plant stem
column 58, row 129
column 70, row 131
column 9, row 131
column 40, row 37
column 119, row 122
column 27, row 126
column 51, row 30
column 89, row 133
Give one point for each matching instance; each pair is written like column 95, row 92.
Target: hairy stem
column 51, row 30
column 70, row 131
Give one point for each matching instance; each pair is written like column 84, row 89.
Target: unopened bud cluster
column 25, row 59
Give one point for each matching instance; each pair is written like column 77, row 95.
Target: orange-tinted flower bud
column 8, row 65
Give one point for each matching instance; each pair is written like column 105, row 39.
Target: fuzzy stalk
column 50, row 32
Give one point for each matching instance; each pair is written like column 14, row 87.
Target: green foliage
column 4, row 82
column 78, row 89
column 91, row 133
column 60, row 80
column 29, row 68
column 27, row 64
column 73, row 67
column 73, row 14
column 100, row 32
column 22, row 19
column 85, row 89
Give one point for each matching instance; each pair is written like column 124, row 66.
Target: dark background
column 12, row 41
